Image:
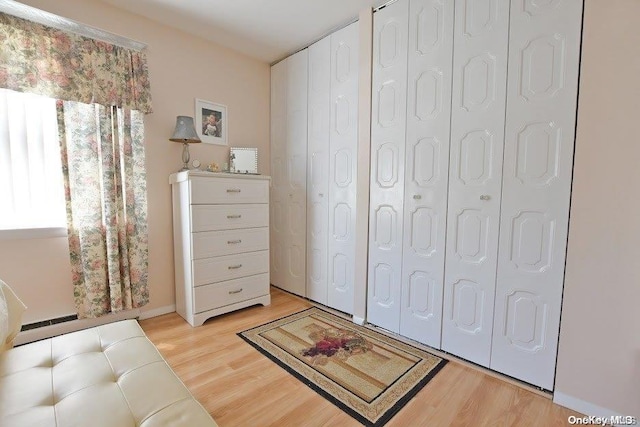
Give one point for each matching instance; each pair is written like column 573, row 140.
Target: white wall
column 599, row 355
column 182, row 67
column 39, row 271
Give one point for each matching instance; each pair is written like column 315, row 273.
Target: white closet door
column 475, row 177
column 296, row 185
column 343, row 162
column 427, row 167
column 388, row 123
column 541, row 113
column 279, row 195
column 318, row 169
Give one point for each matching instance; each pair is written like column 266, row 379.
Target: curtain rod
column 49, row 19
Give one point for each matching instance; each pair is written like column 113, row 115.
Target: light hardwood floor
column 241, row 387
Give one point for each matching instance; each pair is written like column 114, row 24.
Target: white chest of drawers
column 221, row 243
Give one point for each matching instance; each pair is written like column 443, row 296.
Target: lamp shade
column 185, row 131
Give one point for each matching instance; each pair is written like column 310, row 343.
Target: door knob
column 485, row 197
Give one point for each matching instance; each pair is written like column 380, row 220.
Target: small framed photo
column 211, row 122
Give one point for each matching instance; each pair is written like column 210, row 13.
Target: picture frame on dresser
column 243, row 160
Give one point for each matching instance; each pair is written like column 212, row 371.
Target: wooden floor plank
column 239, row 386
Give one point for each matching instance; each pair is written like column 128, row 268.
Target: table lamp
column 185, row 133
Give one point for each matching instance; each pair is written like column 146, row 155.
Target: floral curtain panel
column 61, row 65
column 106, row 196
column 103, row 93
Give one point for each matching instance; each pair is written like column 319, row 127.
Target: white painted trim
column 582, row 406
column 33, row 233
column 49, row 19
column 358, row 320
column 31, row 335
column 148, row 314
column 361, row 259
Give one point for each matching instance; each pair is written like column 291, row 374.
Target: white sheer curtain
column 31, row 185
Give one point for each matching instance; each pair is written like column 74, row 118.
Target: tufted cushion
column 111, row 375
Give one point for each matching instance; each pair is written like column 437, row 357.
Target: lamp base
column 185, row 157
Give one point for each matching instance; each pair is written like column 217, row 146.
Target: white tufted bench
column 111, row 375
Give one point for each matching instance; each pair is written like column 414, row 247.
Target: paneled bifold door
column 314, row 98
column 343, row 167
column 388, row 133
column 333, row 102
column 289, row 173
column 477, row 138
column 409, row 166
column 426, row 173
column 473, row 119
column 544, row 47
column 318, row 169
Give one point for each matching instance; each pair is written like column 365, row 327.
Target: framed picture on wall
column 211, row 122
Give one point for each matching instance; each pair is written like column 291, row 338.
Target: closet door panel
column 296, row 167
column 388, row 124
column 538, row 158
column 342, row 171
column 318, row 169
column 278, row 190
column 475, row 176
column 430, row 53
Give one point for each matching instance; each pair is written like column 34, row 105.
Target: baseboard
column 44, row 332
column 358, row 320
column 148, row 314
column 583, row 407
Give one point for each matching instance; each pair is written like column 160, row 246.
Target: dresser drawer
column 214, row 243
column 227, row 267
column 227, row 217
column 232, row 291
column 229, row 190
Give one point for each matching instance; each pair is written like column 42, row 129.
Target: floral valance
column 62, row 65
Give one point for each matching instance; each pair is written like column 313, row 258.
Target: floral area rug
column 366, row 374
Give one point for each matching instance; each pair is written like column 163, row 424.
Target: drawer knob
column 234, row 216
column 233, row 190
column 485, row 197
column 233, row 242
column 235, row 267
column 235, row 292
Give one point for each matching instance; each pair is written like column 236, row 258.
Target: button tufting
column 126, row 384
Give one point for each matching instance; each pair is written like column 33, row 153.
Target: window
column 31, row 183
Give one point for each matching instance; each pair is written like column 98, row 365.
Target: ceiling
column 264, row 29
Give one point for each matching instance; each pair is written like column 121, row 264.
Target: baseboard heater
column 49, row 322
column 62, row 325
